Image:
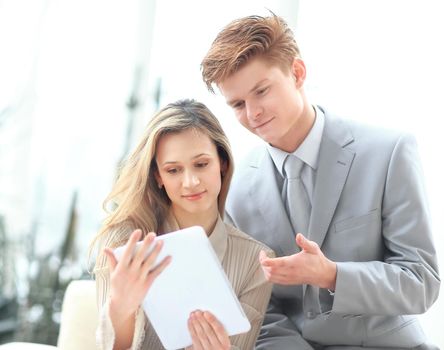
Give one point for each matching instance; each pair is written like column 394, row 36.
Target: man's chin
column 267, row 138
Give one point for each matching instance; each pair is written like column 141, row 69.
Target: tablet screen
column 194, row 280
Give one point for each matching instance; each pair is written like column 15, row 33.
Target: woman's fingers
column 137, row 259
column 141, row 253
column 200, row 334
column 210, row 337
column 194, row 336
column 152, row 275
column 207, row 332
column 129, row 250
column 132, row 276
column 150, row 260
column 217, row 328
column 111, row 259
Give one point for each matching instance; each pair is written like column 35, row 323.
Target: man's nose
column 253, row 110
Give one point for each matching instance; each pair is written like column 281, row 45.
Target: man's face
column 268, row 101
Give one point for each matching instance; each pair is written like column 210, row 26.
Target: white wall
column 382, row 62
column 373, row 60
column 378, row 61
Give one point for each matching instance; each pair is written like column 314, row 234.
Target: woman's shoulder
column 117, row 235
column 244, row 241
column 114, row 237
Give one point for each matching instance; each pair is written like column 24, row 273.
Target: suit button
column 310, row 315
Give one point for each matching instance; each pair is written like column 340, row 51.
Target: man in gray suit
column 363, row 262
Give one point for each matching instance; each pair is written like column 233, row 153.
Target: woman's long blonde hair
column 136, row 199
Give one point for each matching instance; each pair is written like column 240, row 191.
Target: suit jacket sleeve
column 406, row 281
column 278, row 331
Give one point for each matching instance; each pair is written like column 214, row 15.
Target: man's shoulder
column 362, row 132
column 253, row 158
column 246, row 167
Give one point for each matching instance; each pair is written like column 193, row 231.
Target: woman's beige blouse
column 239, row 256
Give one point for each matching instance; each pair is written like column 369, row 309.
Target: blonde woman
column 178, row 176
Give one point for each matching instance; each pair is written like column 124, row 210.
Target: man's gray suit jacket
column 370, row 215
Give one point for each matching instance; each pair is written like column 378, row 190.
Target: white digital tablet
column 194, row 280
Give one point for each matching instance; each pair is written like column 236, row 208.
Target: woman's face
column 190, row 170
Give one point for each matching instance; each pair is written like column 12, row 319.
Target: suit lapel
column 334, row 165
column 265, row 193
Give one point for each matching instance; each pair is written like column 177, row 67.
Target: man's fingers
column 300, row 240
column 306, row 244
column 275, row 262
column 280, row 279
column 262, row 256
column 280, row 276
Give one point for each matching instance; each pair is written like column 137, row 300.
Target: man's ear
column 299, row 71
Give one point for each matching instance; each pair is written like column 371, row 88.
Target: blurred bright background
column 80, row 79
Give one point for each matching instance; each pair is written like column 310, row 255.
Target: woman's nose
column 191, row 179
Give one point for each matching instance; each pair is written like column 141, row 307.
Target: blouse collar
column 218, row 237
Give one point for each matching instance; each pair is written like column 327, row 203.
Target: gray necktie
column 298, row 204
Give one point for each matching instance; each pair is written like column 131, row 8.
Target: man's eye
column 238, row 105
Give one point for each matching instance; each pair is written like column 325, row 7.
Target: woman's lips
column 194, row 196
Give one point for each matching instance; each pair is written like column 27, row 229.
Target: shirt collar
column 218, row 237
column 308, row 150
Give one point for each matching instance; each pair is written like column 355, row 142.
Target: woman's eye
column 202, row 164
column 172, row 171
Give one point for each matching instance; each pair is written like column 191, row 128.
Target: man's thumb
column 306, row 244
